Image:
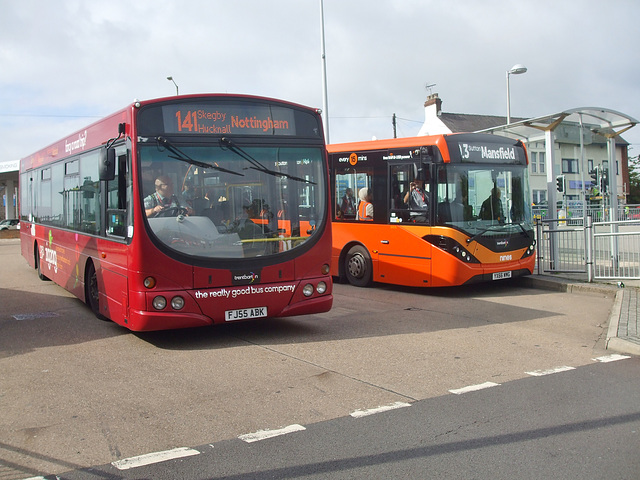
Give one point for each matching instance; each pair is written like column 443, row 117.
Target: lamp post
column 177, row 93
column 515, row 70
column 325, row 101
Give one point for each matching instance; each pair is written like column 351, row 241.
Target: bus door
column 403, row 255
column 117, row 213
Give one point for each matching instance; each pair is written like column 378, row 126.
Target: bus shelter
column 586, row 121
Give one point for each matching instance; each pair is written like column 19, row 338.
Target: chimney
column 433, row 99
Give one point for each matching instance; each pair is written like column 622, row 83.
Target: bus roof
column 385, row 143
column 100, row 131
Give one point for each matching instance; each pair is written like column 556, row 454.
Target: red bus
column 185, row 211
column 446, row 210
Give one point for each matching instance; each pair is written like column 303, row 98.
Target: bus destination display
column 489, row 152
column 220, row 119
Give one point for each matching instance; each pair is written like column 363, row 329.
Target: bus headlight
column 321, row 288
column 530, row 251
column 307, row 290
column 177, row 303
column 159, row 302
column 451, row 246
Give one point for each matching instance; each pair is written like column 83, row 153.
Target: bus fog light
column 177, row 303
column 321, row 288
column 307, row 290
column 149, row 282
column 159, row 302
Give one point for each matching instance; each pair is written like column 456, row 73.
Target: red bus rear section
column 184, row 212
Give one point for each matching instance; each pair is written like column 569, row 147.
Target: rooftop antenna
column 429, row 87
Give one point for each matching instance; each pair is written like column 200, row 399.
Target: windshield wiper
column 255, row 164
column 482, row 232
column 183, row 157
column 521, row 228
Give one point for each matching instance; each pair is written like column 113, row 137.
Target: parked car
column 10, row 224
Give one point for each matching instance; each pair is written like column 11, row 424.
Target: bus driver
column 416, row 199
column 162, row 198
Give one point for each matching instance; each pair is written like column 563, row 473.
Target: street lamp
column 174, row 82
column 515, row 70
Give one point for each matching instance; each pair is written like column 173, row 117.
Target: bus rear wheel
column 92, row 292
column 36, row 256
column 358, row 267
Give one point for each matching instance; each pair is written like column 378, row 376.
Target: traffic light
column 595, row 181
column 605, row 181
column 560, row 183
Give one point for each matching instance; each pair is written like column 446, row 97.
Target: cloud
column 73, row 58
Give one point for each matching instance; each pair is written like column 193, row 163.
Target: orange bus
column 185, row 211
column 446, row 210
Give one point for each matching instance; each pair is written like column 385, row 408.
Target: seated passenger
column 365, row 207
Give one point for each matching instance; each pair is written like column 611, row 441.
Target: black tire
column 92, row 291
column 358, row 267
column 36, row 255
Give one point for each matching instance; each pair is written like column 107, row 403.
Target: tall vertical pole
column 325, row 101
column 582, row 168
column 550, row 142
column 508, row 101
column 613, row 200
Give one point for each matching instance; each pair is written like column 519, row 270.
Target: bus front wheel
column 92, row 293
column 358, row 267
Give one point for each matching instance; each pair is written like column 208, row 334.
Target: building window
column 570, row 165
column 534, row 162
column 537, row 162
column 539, row 197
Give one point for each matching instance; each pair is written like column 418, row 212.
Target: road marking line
column 384, row 408
column 540, row 373
column 614, row 357
column 264, row 434
column 474, row 388
column 33, row 316
column 156, row 457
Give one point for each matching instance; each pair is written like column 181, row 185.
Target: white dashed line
column 614, row 357
column 264, row 434
column 385, row 408
column 156, row 457
column 541, row 373
column 474, row 388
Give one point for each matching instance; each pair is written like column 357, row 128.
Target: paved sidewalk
column 623, row 335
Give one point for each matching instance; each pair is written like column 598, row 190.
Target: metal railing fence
column 608, row 250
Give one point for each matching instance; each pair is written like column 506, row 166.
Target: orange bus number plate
column 501, row 275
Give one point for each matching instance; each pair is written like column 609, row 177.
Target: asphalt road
column 579, row 423
column 76, row 392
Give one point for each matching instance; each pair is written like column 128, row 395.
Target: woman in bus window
column 365, row 207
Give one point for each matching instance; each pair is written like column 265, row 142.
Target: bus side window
column 346, row 196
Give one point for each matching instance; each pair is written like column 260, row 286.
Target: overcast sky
column 66, row 63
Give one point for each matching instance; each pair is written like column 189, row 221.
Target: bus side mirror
column 107, row 164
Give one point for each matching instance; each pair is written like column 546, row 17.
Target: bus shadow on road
column 29, row 321
column 368, row 313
